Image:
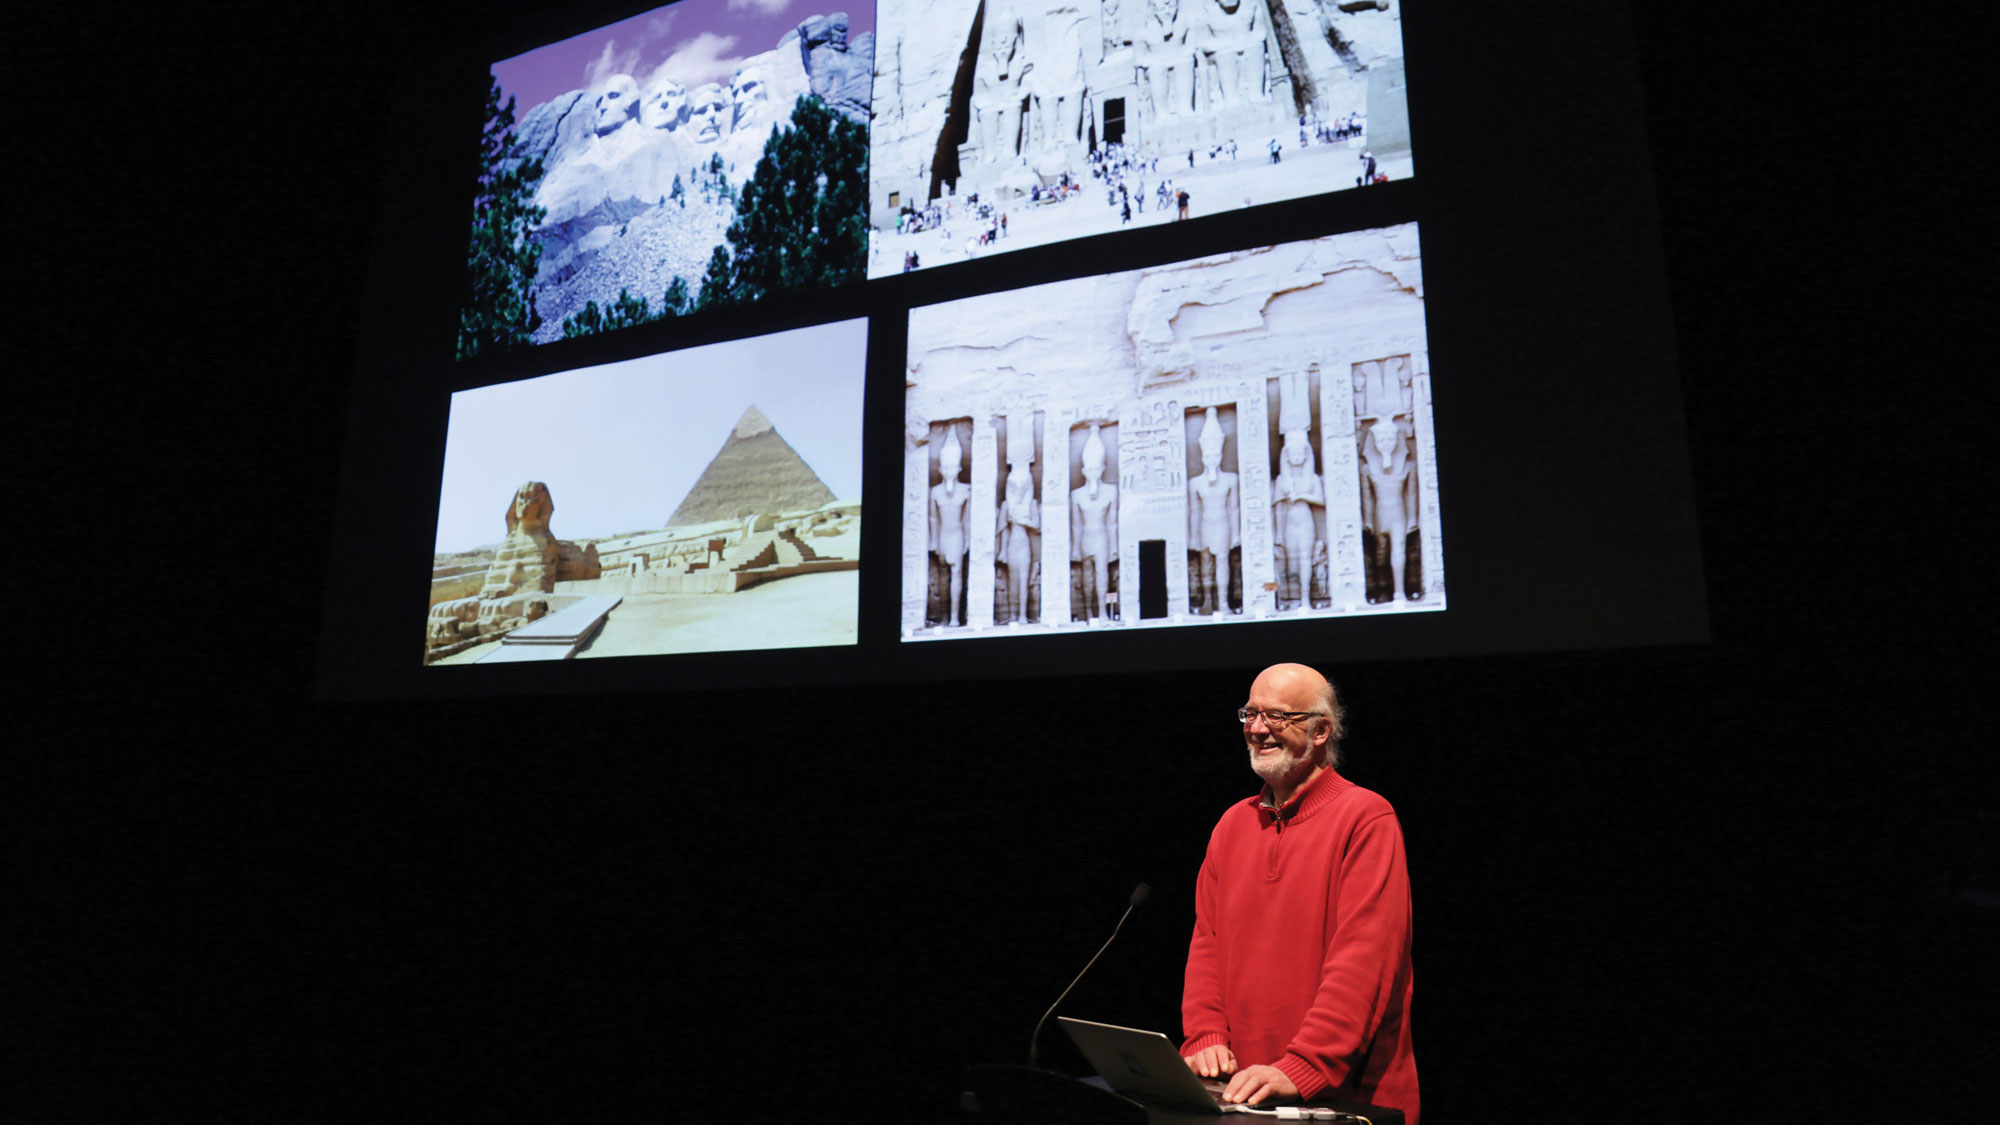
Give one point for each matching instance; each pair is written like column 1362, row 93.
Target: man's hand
column 1211, row 1062
column 1255, row 1083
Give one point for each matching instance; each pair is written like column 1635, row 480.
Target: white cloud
column 655, row 29
column 705, row 58
column 612, row 60
column 767, row 7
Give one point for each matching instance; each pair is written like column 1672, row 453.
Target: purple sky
column 695, row 41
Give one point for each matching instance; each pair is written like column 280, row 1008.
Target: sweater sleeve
column 1362, row 973
column 1202, row 1020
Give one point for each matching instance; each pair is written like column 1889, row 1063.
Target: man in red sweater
column 1298, row 977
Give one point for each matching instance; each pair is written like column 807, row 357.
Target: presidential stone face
column 618, row 103
column 751, row 95
column 709, row 113
column 665, row 105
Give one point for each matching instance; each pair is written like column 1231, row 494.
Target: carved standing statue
column 1296, row 491
column 1388, row 487
column 948, row 538
column 1020, row 513
column 1094, row 516
column 1212, row 518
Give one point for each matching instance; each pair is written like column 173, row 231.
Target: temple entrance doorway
column 1114, row 120
column 1152, row 578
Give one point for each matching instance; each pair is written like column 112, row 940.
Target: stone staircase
column 783, row 549
column 766, row 557
column 804, row 549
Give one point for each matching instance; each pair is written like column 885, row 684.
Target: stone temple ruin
column 756, row 513
column 1241, row 437
column 994, row 97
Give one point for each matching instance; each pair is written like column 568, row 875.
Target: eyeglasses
column 1276, row 720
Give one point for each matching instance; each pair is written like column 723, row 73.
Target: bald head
column 1296, row 687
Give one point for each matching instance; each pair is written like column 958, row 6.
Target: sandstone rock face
column 841, row 73
column 524, row 571
column 1364, row 35
column 577, row 563
column 921, row 45
column 528, row 558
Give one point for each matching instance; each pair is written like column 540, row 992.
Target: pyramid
column 756, row 470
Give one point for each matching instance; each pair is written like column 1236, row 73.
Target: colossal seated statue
column 1228, row 42
column 997, row 92
column 1163, row 61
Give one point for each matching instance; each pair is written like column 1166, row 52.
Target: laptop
column 1145, row 1066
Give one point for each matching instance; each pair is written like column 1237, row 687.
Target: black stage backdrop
column 1736, row 878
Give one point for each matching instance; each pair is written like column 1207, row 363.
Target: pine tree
column 802, row 222
column 629, row 311
column 626, row 312
column 716, row 284
column 587, row 321
column 497, row 312
column 676, row 301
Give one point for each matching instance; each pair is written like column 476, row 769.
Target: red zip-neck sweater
column 1301, row 950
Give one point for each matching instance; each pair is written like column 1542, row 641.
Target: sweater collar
column 1313, row 796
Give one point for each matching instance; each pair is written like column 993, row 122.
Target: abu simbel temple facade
column 1241, row 437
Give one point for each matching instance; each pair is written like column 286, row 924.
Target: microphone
column 1139, row 894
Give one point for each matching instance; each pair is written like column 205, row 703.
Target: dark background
column 1739, row 877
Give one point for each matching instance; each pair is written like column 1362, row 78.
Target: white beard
column 1283, row 767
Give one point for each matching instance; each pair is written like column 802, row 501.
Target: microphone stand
column 1139, row 894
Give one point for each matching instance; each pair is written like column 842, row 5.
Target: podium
column 1020, row 1095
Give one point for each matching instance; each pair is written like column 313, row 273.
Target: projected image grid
column 1233, row 439
column 1244, row 437
column 1003, row 124
column 693, row 501
column 703, row 154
